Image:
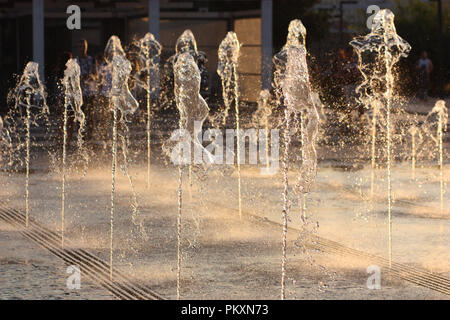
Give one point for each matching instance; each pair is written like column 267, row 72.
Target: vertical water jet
column 294, row 94
column 29, row 93
column 229, row 52
column 121, row 100
column 73, row 100
column 193, row 111
column 414, row 132
column 149, row 51
column 378, row 52
column 376, row 111
column 434, row 126
column 261, row 118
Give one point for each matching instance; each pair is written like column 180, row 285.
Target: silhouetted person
column 87, row 65
column 425, row 67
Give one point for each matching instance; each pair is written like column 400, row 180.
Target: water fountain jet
column 261, row 117
column 229, row 52
column 434, row 126
column 388, row 48
column 294, row 93
column 29, row 93
column 73, row 99
column 123, row 102
column 192, row 108
column 150, row 50
column 415, row 133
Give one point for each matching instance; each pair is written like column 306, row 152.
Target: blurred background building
column 36, row 30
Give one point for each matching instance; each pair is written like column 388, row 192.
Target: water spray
column 192, row 109
column 261, row 117
column 29, row 93
column 414, row 132
column 73, row 99
column 121, row 100
column 294, row 93
column 434, row 126
column 229, row 52
column 150, row 50
column 388, row 48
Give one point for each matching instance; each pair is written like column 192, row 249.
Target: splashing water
column 192, row 109
column 73, row 98
column 186, row 43
column 376, row 114
column 149, row 52
column 229, row 52
column 293, row 89
column 2, row 139
column 261, row 117
column 434, row 126
column 415, row 133
column 29, row 93
column 388, row 48
column 121, row 100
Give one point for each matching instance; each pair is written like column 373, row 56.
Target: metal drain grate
column 97, row 270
